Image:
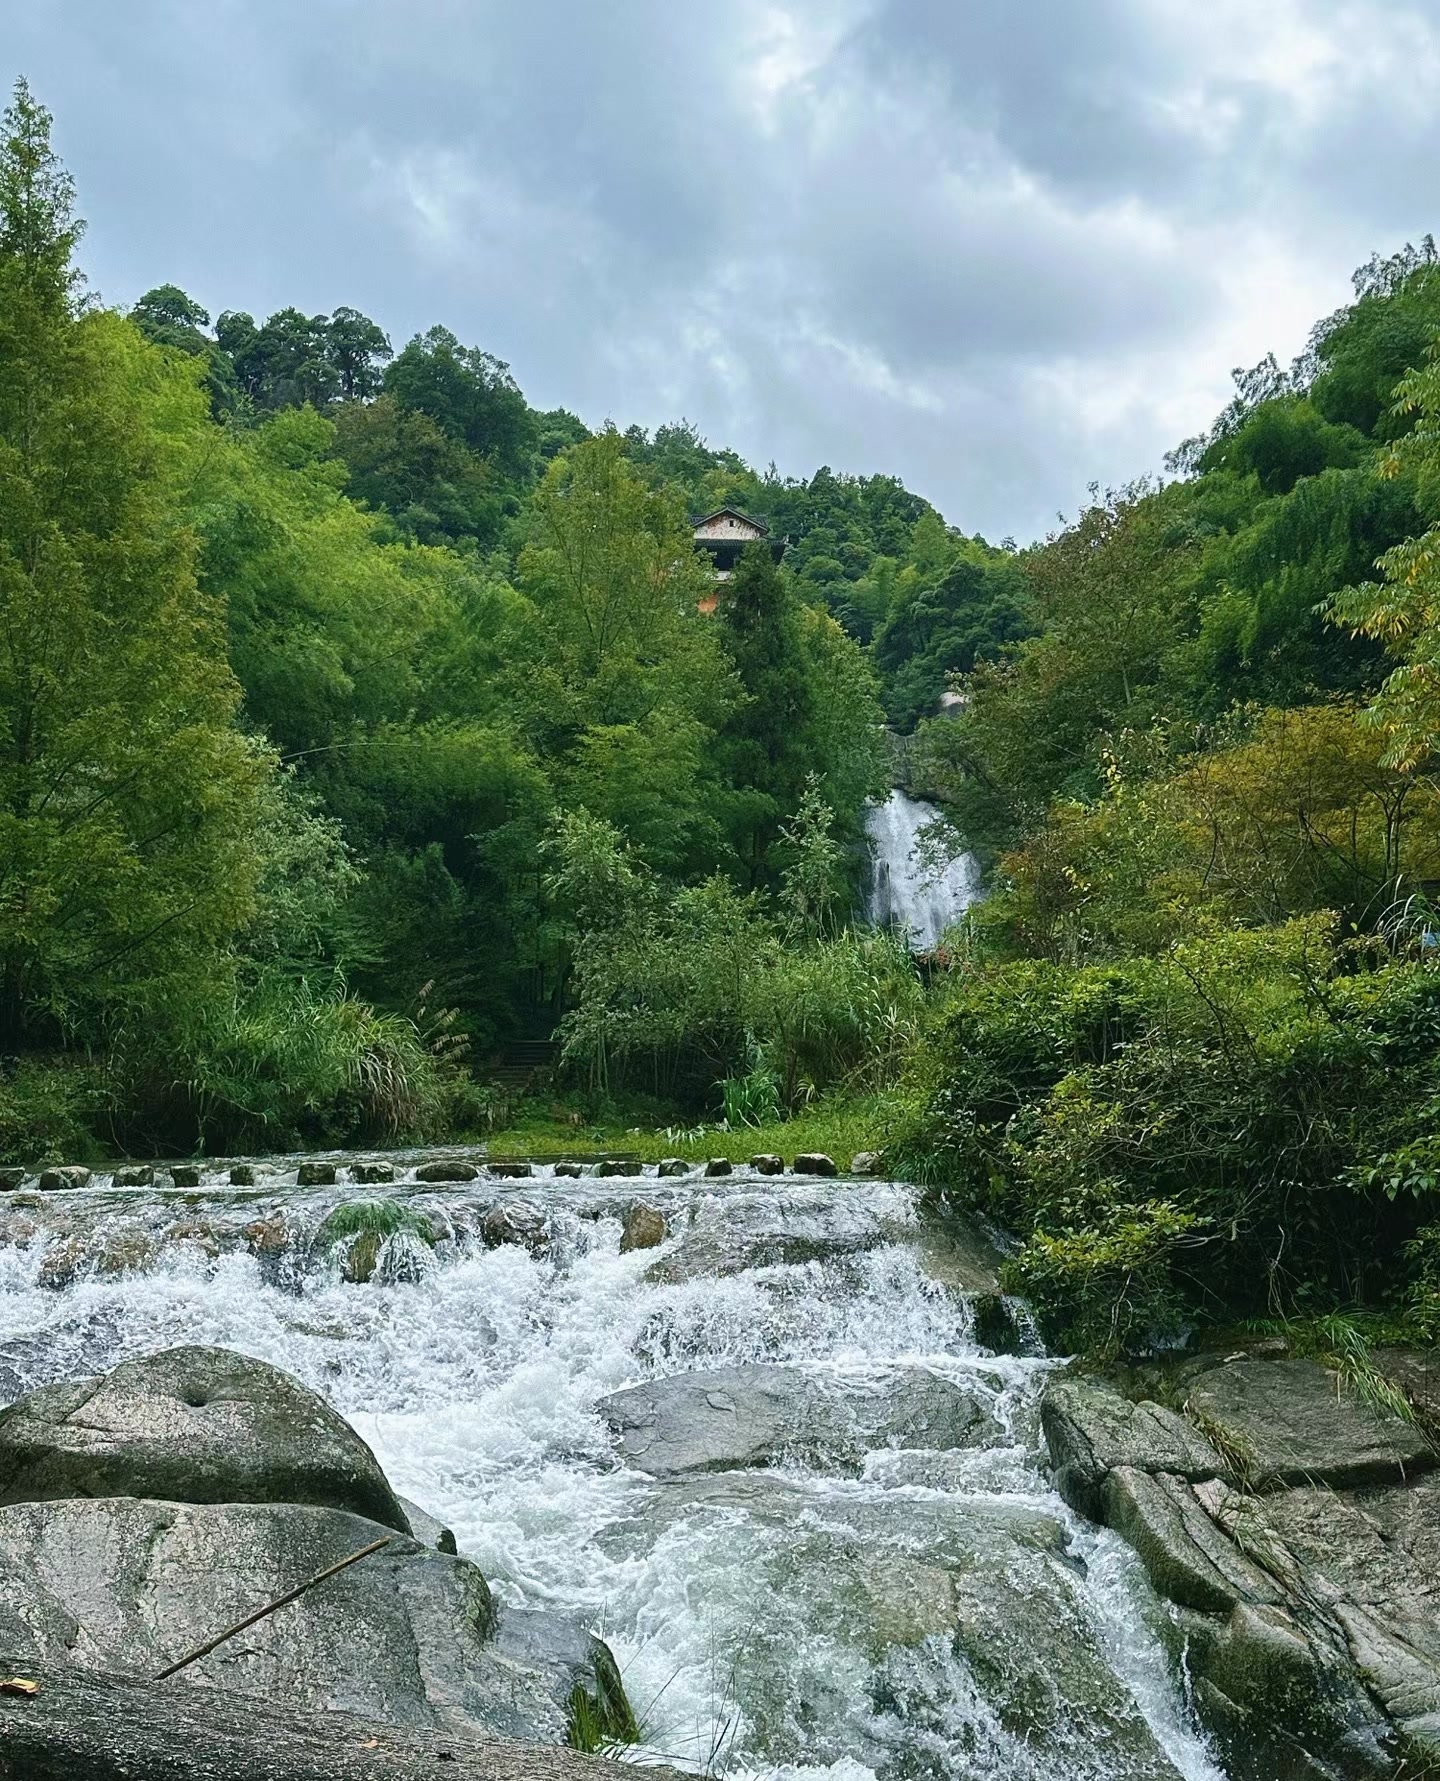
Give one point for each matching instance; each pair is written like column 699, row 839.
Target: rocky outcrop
column 972, row 1612
column 1288, row 1422
column 815, row 1162
column 1093, row 1431
column 758, row 1415
column 1295, row 1528
column 198, row 1425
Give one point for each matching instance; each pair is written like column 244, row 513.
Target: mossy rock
column 365, row 1226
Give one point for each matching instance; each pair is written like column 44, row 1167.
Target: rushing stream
column 913, row 1613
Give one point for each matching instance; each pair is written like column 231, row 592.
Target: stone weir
column 1293, row 1524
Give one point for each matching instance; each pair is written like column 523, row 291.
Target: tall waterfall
column 905, row 892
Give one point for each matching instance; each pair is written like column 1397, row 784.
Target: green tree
column 468, row 393
column 127, row 797
column 767, row 757
column 358, row 348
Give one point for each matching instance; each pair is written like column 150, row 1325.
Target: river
column 917, row 1613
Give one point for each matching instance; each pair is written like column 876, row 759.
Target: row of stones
column 72, row 1176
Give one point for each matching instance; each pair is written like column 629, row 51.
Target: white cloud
column 999, row 251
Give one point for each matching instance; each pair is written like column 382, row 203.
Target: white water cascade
column 906, row 892
column 926, row 1612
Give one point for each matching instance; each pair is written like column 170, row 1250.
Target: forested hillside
column 357, row 718
column 335, row 680
column 1193, row 1055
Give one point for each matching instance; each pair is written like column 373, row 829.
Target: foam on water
column 474, row 1374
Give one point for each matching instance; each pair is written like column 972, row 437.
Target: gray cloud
column 996, row 250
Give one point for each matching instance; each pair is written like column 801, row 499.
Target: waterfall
column 905, row 892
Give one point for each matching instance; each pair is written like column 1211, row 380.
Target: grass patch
column 374, row 1218
column 837, row 1129
column 603, row 1720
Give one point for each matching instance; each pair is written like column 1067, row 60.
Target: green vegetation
column 1192, row 1058
column 307, row 647
column 840, row 1127
column 357, row 720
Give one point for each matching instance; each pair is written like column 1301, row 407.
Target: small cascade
column 920, row 1605
column 906, row 893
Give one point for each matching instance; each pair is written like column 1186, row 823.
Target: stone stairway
column 519, row 1065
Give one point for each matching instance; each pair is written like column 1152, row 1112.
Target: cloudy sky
column 1000, row 248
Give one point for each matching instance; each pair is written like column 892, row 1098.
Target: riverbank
column 839, row 1129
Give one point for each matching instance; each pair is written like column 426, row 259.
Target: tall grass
column 283, row 1062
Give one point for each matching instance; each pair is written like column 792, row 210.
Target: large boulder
column 409, row 1636
column 758, row 1415
column 1295, row 1422
column 922, row 1638
column 1296, row 1529
column 199, row 1425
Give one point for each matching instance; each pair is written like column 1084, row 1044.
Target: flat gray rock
column 193, row 1424
column 759, row 1415
column 1294, row 1422
column 86, row 1727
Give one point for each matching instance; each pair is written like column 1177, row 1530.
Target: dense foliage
column 357, row 718
column 306, row 647
column 1191, row 1056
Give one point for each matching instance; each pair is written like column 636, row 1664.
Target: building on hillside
column 723, row 535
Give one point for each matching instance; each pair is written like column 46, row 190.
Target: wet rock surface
column 644, row 1228
column 865, row 1595
column 1296, row 1527
column 760, row 1415
column 65, row 1179
column 943, row 1596
column 82, row 1726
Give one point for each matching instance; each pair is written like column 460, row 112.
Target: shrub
column 1244, row 1126
column 51, row 1110
column 282, row 1062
